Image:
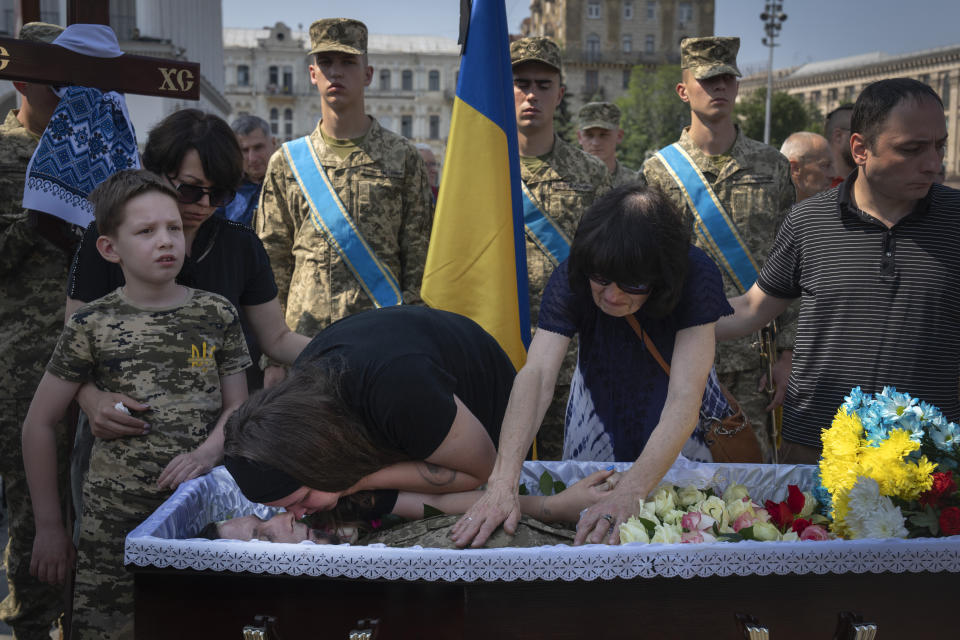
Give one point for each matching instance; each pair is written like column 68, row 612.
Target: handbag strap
column 632, row 321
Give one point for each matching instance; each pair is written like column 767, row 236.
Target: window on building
column 626, row 78
column 384, row 79
column 274, row 121
column 434, row 127
column 433, row 80
column 815, row 98
column 925, row 78
column 945, row 91
column 651, row 9
column 627, row 43
column 288, row 123
column 592, row 82
column 849, row 93
column 406, row 126
column 628, row 9
column 406, row 80
column 274, row 75
column 650, row 44
column 593, row 47
column 593, row 9
column 243, row 75
column 123, row 18
column 288, row 79
column 832, row 95
column 684, row 12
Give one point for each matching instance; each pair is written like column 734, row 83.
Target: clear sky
column 814, row 30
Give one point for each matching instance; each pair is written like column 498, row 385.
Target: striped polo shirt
column 878, row 306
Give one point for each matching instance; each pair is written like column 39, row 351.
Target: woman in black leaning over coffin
column 199, row 155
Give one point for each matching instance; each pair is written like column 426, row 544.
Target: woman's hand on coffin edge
column 53, row 555
column 106, row 420
column 187, row 466
column 500, row 504
column 601, row 522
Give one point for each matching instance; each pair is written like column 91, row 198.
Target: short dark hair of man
column 830, row 122
column 633, row 234
column 246, row 124
column 878, row 99
column 111, row 196
column 211, row 137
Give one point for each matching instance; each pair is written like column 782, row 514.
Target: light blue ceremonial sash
column 713, row 226
column 542, row 230
column 331, row 218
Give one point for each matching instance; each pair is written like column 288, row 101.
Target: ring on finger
column 608, row 518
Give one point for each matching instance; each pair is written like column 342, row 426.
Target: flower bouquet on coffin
column 691, row 515
column 887, row 467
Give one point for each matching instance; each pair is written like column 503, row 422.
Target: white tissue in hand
column 121, row 407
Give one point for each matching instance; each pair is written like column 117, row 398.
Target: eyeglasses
column 632, row 289
column 190, row 193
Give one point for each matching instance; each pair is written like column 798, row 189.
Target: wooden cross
column 51, row 64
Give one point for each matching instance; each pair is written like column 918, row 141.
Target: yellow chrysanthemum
column 841, row 448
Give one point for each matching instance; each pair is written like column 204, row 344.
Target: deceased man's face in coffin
column 283, row 527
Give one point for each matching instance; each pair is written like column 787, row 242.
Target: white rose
column 673, row 516
column 790, row 536
column 633, row 531
column 690, row 496
column 715, row 508
column 734, row 493
column 665, row 500
column 738, row 507
column 667, row 533
column 765, row 531
column 648, row 511
column 809, row 504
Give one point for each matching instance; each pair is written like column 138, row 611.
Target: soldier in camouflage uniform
column 563, row 182
column 35, row 253
column 435, row 533
column 752, row 182
column 185, row 359
column 599, row 134
column 377, row 175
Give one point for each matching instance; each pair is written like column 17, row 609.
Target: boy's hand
column 106, row 421
column 53, row 555
column 187, row 466
column 567, row 505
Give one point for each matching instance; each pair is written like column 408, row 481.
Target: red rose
column 943, row 486
column 780, row 514
column 950, row 521
column 795, row 498
column 799, row 525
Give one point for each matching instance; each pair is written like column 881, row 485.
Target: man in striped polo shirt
column 875, row 264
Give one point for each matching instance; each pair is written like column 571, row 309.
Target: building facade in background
column 829, row 83
column 602, row 40
column 177, row 29
column 414, row 82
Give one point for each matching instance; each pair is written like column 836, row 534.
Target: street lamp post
column 773, row 18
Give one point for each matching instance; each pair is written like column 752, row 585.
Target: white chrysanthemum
column 870, row 515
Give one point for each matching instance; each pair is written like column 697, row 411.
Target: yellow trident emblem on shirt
column 202, row 357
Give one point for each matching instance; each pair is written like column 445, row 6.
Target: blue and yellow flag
column 477, row 264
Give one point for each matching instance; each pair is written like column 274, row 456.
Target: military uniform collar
column 556, row 156
column 369, row 151
column 702, row 160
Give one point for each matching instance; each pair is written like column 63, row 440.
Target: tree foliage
column 652, row 114
column 788, row 114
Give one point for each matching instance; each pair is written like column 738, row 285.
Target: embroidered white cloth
column 158, row 542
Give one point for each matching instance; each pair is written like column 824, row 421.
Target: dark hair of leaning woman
column 633, row 235
column 283, row 427
column 211, row 137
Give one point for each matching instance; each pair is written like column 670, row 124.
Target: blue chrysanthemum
column 856, row 400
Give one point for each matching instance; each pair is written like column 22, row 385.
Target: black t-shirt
column 226, row 258
column 400, row 368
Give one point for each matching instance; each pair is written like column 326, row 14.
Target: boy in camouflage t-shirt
column 179, row 349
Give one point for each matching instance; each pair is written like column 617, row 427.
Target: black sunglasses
column 190, row 193
column 632, row 289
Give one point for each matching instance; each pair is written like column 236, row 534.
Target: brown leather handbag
column 731, row 439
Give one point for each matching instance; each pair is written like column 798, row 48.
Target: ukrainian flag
column 477, row 264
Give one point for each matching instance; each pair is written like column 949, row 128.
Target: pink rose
column 745, row 519
column 691, row 537
column 696, row 521
column 814, row 532
column 762, row 514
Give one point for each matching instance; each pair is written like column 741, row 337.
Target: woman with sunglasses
column 199, row 154
column 631, row 269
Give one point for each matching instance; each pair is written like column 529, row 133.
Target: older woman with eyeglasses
column 199, row 154
column 631, row 271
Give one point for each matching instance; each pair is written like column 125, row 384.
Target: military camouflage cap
column 709, row 57
column 338, row 34
column 43, row 32
column 605, row 115
column 536, row 49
